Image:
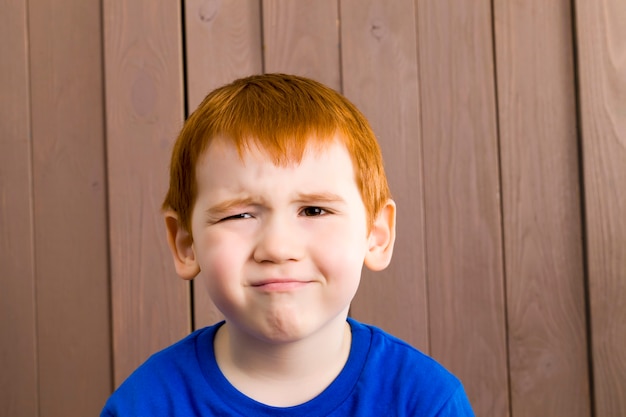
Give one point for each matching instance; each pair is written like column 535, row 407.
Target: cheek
column 221, row 261
column 342, row 271
column 221, row 258
column 341, row 252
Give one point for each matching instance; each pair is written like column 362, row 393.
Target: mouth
column 279, row 285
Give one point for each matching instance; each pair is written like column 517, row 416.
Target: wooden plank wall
column 18, row 351
column 56, row 344
column 601, row 40
column 541, row 209
column 144, row 111
column 503, row 126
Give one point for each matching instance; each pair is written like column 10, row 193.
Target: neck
column 283, row 374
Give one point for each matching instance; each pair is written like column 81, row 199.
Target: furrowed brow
column 230, row 204
column 320, row 198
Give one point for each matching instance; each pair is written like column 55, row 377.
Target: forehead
column 280, row 153
column 321, row 162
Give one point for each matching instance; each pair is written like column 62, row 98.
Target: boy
column 277, row 199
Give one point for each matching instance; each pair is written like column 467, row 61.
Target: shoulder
column 407, row 377
column 176, row 358
column 398, row 356
column 170, row 374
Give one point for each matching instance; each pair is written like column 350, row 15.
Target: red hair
column 282, row 115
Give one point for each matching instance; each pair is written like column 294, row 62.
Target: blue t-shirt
column 383, row 376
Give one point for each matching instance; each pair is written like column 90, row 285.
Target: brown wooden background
column 503, row 124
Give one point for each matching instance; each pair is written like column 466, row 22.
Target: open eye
column 313, row 211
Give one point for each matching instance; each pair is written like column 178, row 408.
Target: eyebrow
column 227, row 205
column 323, row 197
column 302, row 198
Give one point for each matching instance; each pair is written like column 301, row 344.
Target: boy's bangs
column 280, row 126
column 282, row 148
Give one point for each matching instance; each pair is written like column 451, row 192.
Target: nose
column 278, row 241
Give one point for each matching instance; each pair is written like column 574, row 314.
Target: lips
column 279, row 284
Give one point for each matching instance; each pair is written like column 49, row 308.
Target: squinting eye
column 313, row 211
column 238, row 216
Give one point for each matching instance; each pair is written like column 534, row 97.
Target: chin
column 280, row 330
column 284, row 329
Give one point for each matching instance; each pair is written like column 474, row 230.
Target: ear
column 381, row 238
column 181, row 246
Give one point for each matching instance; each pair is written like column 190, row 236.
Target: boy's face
column 280, row 248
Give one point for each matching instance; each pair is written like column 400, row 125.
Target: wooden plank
column 601, row 36
column 224, row 42
column 73, row 319
column 302, row 37
column 379, row 57
column 18, row 361
column 144, row 109
column 542, row 215
column 462, row 205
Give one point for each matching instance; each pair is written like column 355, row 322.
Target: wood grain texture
column 542, row 214
column 462, row 204
column 423, row 73
column 601, row 35
column 144, row 91
column 302, row 37
column 18, row 379
column 73, row 319
column 223, row 43
column 379, row 66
